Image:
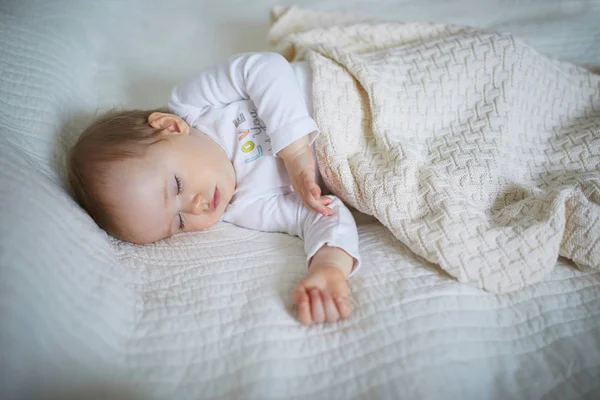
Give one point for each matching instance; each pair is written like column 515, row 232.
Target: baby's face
column 183, row 183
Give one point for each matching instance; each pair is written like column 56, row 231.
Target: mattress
column 209, row 314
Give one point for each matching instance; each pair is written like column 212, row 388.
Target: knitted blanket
column 476, row 151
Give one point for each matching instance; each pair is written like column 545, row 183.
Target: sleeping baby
column 235, row 145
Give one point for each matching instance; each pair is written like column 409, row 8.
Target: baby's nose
column 197, row 205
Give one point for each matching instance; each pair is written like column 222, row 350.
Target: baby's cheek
column 202, row 222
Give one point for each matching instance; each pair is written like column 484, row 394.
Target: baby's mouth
column 214, row 203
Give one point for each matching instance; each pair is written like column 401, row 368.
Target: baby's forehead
column 137, row 204
column 127, row 181
column 136, row 164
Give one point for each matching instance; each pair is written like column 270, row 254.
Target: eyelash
column 179, row 190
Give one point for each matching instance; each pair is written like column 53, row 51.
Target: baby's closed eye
column 178, row 192
column 179, row 186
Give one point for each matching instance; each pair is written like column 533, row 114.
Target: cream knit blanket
column 478, row 153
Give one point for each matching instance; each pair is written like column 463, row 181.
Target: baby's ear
column 170, row 122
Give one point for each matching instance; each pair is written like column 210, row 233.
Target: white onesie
column 253, row 106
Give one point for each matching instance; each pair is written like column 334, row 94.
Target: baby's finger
column 315, row 190
column 344, row 307
column 331, row 311
column 339, row 289
column 317, row 205
column 325, row 201
column 302, row 300
column 300, row 294
column 318, row 314
column 312, row 200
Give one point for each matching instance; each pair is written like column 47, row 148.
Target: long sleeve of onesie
column 288, row 214
column 267, row 79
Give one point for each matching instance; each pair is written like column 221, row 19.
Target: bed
column 209, row 314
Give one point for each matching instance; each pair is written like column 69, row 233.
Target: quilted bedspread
column 208, row 315
column 476, row 151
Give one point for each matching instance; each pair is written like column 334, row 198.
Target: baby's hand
column 323, row 295
column 300, row 165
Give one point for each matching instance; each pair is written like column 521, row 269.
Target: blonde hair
column 114, row 137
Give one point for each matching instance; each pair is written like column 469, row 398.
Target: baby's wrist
column 295, row 148
column 329, row 256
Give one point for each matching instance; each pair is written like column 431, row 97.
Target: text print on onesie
column 252, row 139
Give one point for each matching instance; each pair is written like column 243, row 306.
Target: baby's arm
column 330, row 243
column 300, row 165
column 323, row 294
column 267, row 79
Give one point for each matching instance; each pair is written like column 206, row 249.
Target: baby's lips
column 214, row 203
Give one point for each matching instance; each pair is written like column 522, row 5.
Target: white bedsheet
column 208, row 315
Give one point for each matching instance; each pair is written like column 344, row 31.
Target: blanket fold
column 476, row 151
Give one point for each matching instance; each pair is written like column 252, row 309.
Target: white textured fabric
column 208, row 315
column 476, row 151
